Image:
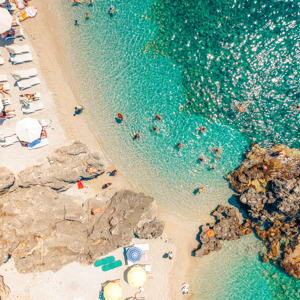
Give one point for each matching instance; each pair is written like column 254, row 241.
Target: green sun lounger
column 111, row 266
column 104, row 261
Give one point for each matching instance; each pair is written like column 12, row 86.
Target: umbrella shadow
column 126, row 274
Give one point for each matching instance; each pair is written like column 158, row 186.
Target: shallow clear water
column 112, row 74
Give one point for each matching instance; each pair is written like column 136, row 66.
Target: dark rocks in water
column 43, row 229
column 227, row 227
column 66, row 166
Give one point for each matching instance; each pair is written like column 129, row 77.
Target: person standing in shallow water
column 111, row 10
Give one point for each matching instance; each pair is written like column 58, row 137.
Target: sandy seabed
column 75, row 281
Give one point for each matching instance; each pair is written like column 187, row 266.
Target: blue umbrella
column 134, row 254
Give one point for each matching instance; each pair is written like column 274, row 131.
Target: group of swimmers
column 87, row 15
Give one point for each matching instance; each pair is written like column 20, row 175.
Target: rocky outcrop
column 227, row 227
column 7, row 180
column 4, row 289
column 44, row 229
column 66, row 166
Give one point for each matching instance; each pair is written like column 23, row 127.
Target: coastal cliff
column 42, row 228
column 268, row 187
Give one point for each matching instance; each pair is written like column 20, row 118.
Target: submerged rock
column 42, row 229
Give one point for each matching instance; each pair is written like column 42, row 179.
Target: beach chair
column 18, row 34
column 1, row 61
column 112, row 266
column 43, row 123
column 24, row 74
column 7, row 132
column 32, row 107
column 27, row 83
column 9, row 141
column 15, row 22
column 104, row 261
column 17, row 49
column 22, row 58
column 143, row 247
column 6, row 101
column 3, row 77
column 38, row 144
column 6, row 86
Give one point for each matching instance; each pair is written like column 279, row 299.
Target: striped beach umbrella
column 134, row 254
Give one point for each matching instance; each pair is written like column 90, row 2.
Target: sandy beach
column 75, row 281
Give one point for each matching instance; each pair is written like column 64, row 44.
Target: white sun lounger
column 3, row 77
column 7, row 132
column 6, row 101
column 6, row 86
column 43, row 123
column 18, row 34
column 15, row 22
column 22, row 58
column 143, row 247
column 9, row 141
column 38, row 144
column 24, row 74
column 27, row 83
column 17, row 49
column 32, row 107
column 1, row 61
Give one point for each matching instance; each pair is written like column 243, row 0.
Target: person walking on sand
column 158, row 117
column 79, row 108
column 87, row 15
column 170, row 255
column 111, row 10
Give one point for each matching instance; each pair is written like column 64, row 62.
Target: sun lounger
column 6, row 86
column 15, row 22
column 24, row 74
column 6, row 101
column 22, row 58
column 27, row 83
column 43, row 123
column 9, row 141
column 17, row 49
column 8, row 132
column 143, row 247
column 1, row 61
column 38, row 144
column 3, row 77
column 112, row 266
column 32, row 107
column 11, row 6
column 19, row 33
column 104, row 261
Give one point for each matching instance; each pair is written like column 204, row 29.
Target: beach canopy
column 5, row 20
column 28, row 130
column 112, row 291
column 134, row 254
column 136, row 276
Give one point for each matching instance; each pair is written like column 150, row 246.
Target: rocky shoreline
column 268, row 191
column 44, row 229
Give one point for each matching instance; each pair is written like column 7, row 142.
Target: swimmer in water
column 137, row 136
column 158, row 117
column 87, row 15
column 240, row 108
column 111, row 10
column 120, row 117
column 200, row 190
column 217, row 150
column 201, row 129
column 155, row 129
column 179, row 146
column 202, row 158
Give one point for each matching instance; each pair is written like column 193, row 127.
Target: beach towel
column 80, row 185
column 104, row 261
column 30, row 12
column 112, row 266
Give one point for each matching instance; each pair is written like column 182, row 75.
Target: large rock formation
column 4, row 289
column 43, row 229
column 7, row 179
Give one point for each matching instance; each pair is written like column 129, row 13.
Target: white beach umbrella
column 5, row 20
column 2, row 1
column 28, row 130
column 1, row 105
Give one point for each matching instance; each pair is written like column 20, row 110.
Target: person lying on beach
column 200, row 190
column 94, row 211
column 112, row 10
column 87, row 15
column 137, row 136
column 77, row 1
column 93, row 171
column 106, row 185
column 3, row 91
column 114, row 172
column 9, row 32
column 28, row 96
column 179, row 146
column 89, row 2
column 202, row 129
column 158, row 117
column 155, row 129
column 6, row 113
column 79, row 108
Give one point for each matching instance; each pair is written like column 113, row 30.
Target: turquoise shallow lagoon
column 112, row 74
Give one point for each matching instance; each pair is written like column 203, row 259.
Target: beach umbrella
column 134, row 254
column 28, row 130
column 136, row 276
column 5, row 20
column 112, row 291
column 1, row 105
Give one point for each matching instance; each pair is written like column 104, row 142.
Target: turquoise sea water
column 251, row 62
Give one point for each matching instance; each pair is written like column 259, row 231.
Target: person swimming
column 179, row 146
column 158, row 117
column 217, row 150
column 111, row 10
column 137, row 136
column 87, row 15
column 76, row 22
column 155, row 129
column 202, row 129
column 202, row 158
column 120, row 116
column 200, row 190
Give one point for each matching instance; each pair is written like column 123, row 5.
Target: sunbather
column 94, row 211
column 106, row 185
column 93, row 171
column 79, row 108
column 3, row 91
column 28, row 96
column 12, row 31
column 6, row 113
